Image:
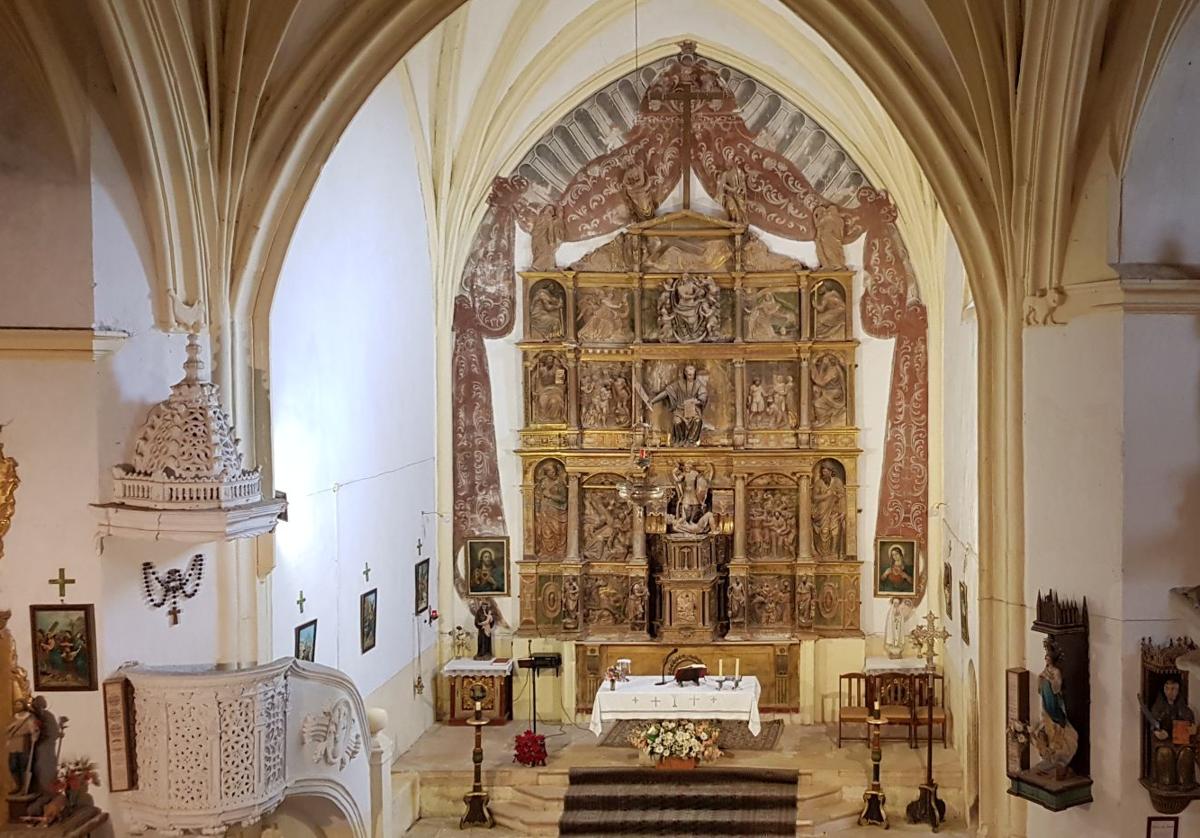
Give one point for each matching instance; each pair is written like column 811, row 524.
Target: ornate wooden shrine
column 689, row 451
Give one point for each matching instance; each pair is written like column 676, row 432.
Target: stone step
column 818, row 794
column 524, row 819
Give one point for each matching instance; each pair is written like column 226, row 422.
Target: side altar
column 689, row 453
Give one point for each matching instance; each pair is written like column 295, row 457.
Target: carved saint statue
column 547, row 234
column 766, row 318
column 635, row 188
column 689, row 309
column 546, row 309
column 639, row 600
column 829, row 312
column 1174, row 737
column 831, row 228
column 737, row 598
column 550, row 510
column 485, row 622
column 731, row 193
column 549, row 402
column 608, row 532
column 691, row 490
column 829, row 513
column 604, row 396
column 1054, row 736
column 687, row 397
column 805, row 601
column 605, row 315
column 570, row 602
column 828, row 390
column 33, row 736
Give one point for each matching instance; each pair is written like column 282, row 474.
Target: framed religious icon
column 64, row 647
column 895, row 567
column 1162, row 827
column 306, row 641
column 367, row 618
column 487, row 566
column 421, row 587
column 948, row 590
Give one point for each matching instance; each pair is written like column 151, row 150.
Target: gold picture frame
column 486, row 561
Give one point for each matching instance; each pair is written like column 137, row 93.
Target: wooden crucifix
column 686, row 95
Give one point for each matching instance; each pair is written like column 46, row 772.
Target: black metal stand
column 478, row 813
column 873, row 813
column 928, row 808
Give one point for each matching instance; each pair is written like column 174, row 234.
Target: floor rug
column 703, row 801
column 735, row 735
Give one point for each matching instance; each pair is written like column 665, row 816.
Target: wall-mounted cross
column 366, row 571
column 303, row 599
column 418, row 546
column 62, row 581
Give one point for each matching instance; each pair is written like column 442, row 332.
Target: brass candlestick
column 928, row 807
column 478, row 813
column 873, row 813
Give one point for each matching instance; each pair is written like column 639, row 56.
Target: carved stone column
column 805, row 298
column 572, row 290
column 527, row 400
column 573, row 390
column 805, row 436
column 573, row 522
column 739, row 517
column 639, row 409
column 739, row 308
column 639, row 534
column 804, row 486
column 739, row 389
column 638, row 290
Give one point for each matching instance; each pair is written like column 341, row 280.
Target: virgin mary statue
column 1054, row 736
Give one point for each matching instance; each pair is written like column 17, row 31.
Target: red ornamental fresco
column 780, row 200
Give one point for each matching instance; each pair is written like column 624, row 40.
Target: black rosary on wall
column 175, row 584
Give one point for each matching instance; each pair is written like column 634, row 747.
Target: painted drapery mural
column 618, row 186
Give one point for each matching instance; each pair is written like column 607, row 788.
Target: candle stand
column 478, row 813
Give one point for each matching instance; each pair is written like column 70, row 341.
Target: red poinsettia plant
column 531, row 749
column 74, row 777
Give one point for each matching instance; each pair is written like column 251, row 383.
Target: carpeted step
column 703, row 801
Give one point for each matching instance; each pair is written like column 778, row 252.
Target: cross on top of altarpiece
column 686, row 94
column 926, row 637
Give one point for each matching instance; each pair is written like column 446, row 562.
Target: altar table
column 880, row 665
column 641, row 698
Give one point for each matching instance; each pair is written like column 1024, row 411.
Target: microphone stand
column 663, row 676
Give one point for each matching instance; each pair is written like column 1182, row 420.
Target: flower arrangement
column 1018, row 732
column 679, row 739
column 612, row 675
column 531, row 749
column 74, row 777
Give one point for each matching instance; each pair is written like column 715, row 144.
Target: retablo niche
column 1060, row 776
column 1168, row 727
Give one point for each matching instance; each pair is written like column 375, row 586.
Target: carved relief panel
column 772, row 395
column 771, row 314
column 605, row 395
column 772, row 504
column 605, row 315
column 546, row 311
column 605, row 597
column 770, row 601
column 550, row 510
column 829, row 518
column 690, row 308
column 547, row 389
column 607, row 521
column 829, row 378
column 692, row 401
column 830, row 313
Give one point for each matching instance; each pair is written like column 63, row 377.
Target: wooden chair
column 921, row 710
column 852, row 703
column 897, row 699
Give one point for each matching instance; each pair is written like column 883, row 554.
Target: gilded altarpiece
column 733, row 366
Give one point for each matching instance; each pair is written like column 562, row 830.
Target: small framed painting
column 421, row 587
column 1162, row 827
column 948, row 590
column 487, row 566
column 895, row 567
column 367, row 617
column 64, row 647
column 306, row 641
column 962, row 613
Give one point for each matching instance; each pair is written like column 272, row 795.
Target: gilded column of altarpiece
column 741, row 363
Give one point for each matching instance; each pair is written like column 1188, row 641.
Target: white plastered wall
column 352, row 415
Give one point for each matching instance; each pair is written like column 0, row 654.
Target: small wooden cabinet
column 495, row 676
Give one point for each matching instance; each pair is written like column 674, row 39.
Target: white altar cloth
column 879, row 665
column 641, row 698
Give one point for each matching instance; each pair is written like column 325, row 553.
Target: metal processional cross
column 686, row 95
column 926, row 637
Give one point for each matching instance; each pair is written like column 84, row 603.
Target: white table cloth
column 480, row 669
column 880, row 664
column 641, row 698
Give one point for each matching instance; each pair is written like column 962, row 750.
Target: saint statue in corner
column 687, row 397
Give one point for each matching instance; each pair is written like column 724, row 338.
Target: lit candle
column 479, row 705
column 737, row 668
column 721, row 668
column 877, row 706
